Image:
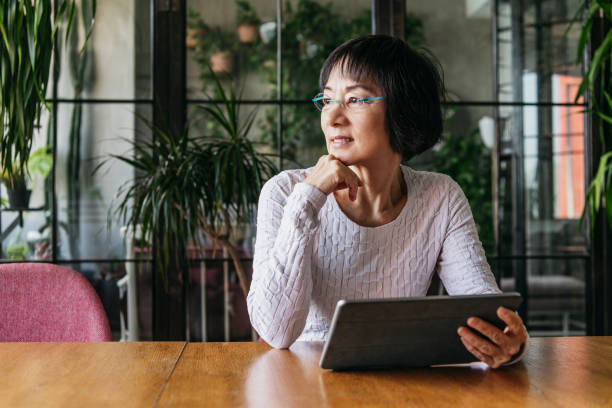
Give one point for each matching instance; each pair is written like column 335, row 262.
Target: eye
column 325, row 100
column 352, row 100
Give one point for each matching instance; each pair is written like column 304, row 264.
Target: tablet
column 407, row 332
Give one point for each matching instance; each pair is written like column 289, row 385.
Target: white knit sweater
column 309, row 254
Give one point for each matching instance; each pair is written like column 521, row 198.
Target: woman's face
column 355, row 136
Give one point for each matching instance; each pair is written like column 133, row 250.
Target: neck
column 383, row 186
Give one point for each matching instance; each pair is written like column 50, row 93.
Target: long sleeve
column 462, row 264
column 279, row 298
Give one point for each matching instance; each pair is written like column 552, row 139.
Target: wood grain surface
column 559, row 372
column 556, row 372
column 85, row 374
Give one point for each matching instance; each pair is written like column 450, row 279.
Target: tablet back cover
column 407, row 332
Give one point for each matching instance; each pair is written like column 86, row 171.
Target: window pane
column 83, row 198
column 25, row 217
column 554, row 177
column 303, row 139
column 237, row 42
column 311, row 31
column 549, row 71
column 459, row 34
column 556, row 300
column 117, row 61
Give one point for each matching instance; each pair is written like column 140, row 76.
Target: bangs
column 353, row 62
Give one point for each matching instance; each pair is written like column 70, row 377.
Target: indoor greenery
column 27, row 31
column 186, row 186
column 246, row 14
column 597, row 79
column 38, row 166
column 310, row 32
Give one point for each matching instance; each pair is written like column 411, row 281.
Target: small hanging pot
column 247, row 33
column 221, row 62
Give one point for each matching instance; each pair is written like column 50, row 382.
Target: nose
column 335, row 115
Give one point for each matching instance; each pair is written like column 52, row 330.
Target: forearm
column 279, row 298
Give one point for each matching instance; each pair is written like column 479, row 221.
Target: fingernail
column 471, row 321
column 459, row 331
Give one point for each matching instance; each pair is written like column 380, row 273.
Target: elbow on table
column 278, row 343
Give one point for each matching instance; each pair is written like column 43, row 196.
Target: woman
column 361, row 225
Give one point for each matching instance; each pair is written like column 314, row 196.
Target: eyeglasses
column 351, row 103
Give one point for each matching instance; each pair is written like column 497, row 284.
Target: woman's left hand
column 499, row 346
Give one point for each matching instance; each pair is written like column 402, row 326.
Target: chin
column 343, row 157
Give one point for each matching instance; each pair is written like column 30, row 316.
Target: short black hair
column 412, row 82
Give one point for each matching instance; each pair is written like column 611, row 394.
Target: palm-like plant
column 27, row 35
column 597, row 79
column 238, row 174
column 186, row 185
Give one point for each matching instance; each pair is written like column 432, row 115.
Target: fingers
column 345, row 178
column 478, row 354
column 514, row 322
column 330, row 175
column 483, row 349
column 508, row 344
column 481, row 344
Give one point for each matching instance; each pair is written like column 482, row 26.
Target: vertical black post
column 599, row 286
column 518, row 185
column 388, row 17
column 169, row 111
column 279, row 79
column 54, row 115
column 496, row 139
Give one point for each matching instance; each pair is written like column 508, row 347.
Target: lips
column 338, row 141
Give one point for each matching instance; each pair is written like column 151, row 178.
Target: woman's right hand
column 330, row 175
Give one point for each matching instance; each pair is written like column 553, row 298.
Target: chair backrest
column 46, row 302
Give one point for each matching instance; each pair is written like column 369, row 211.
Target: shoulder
column 430, row 183
column 281, row 185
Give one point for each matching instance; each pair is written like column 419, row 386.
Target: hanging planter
column 247, row 21
column 191, row 36
column 247, row 33
column 222, row 62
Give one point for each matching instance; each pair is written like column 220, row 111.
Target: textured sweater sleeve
column 279, row 298
column 462, row 264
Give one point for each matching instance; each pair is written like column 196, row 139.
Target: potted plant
column 195, row 28
column 28, row 31
column 598, row 81
column 187, row 185
column 18, row 186
column 219, row 45
column 247, row 21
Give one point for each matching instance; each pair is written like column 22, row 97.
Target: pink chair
column 46, row 302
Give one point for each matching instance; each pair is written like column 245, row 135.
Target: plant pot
column 190, row 37
column 19, row 197
column 247, row 33
column 221, row 62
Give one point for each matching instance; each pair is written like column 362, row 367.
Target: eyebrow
column 351, row 87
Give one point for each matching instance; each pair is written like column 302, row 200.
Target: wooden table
column 572, row 372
